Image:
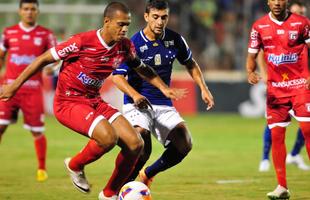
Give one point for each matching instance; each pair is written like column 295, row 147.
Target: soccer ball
column 134, row 190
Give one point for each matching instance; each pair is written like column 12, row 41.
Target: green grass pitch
column 222, row 165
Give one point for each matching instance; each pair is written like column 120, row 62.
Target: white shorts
column 159, row 121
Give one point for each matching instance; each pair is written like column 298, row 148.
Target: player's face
column 157, row 20
column 300, row 10
column 278, row 7
column 118, row 25
column 28, row 13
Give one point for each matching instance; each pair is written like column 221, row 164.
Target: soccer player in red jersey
column 22, row 43
column 285, row 39
column 88, row 59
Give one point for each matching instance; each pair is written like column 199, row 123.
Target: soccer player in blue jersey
column 158, row 47
column 294, row 156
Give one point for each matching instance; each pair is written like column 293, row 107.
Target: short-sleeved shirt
column 285, row 52
column 23, row 45
column 160, row 55
column 87, row 62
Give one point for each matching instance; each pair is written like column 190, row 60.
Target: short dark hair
column 112, row 7
column 28, row 1
column 295, row 2
column 157, row 4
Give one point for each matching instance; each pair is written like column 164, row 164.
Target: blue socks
column 267, row 143
column 168, row 159
column 299, row 143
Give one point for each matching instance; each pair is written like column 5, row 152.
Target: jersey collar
column 21, row 26
column 147, row 40
column 103, row 42
column 276, row 21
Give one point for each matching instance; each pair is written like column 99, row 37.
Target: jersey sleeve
column 3, row 41
column 121, row 70
column 51, row 40
column 306, row 31
column 67, row 48
column 254, row 40
column 184, row 53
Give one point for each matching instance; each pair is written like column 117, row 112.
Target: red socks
column 91, row 152
column 40, row 147
column 305, row 129
column 279, row 154
column 124, row 164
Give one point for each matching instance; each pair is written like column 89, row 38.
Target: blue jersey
column 160, row 55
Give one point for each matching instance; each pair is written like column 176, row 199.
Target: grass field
column 222, row 165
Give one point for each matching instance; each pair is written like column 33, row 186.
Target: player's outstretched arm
column 148, row 73
column 253, row 77
column 7, row 91
column 195, row 72
column 141, row 102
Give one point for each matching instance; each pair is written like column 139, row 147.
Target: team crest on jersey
column 37, row 41
column 157, row 59
column 116, row 62
column 293, row 35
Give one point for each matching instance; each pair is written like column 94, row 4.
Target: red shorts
column 279, row 110
column 82, row 114
column 31, row 104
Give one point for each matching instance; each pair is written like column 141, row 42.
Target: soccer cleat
column 78, row 178
column 102, row 197
column 279, row 193
column 144, row 179
column 41, row 175
column 298, row 161
column 264, row 165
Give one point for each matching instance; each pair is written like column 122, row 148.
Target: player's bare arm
column 140, row 101
column 195, row 72
column 262, row 65
column 8, row 91
column 253, row 76
column 148, row 73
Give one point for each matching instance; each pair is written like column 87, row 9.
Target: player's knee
column 136, row 146
column 107, row 139
column 2, row 129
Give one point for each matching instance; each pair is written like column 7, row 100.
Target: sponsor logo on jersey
column 143, row 48
column 37, row 41
column 285, row 77
column 14, row 40
column 22, row 59
column 267, row 38
column 116, row 62
column 263, row 26
column 295, row 83
column 296, row 23
column 280, row 31
column 282, row 58
column 41, row 32
column 12, row 31
column 86, row 80
column 254, row 34
column 293, row 35
column 169, row 43
column 269, row 47
column 155, row 44
column 25, row 37
column 68, row 49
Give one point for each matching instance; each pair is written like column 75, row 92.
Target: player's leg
column 92, row 123
column 131, row 146
column 143, row 122
column 32, row 107
column 180, row 144
column 294, row 157
column 2, row 130
column 278, row 118
column 305, row 128
column 145, row 154
column 265, row 163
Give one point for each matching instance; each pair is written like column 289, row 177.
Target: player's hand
column 207, row 97
column 6, row 92
column 141, row 102
column 308, row 83
column 175, row 93
column 253, row 78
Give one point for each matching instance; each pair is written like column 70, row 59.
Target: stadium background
column 216, row 30
column 227, row 148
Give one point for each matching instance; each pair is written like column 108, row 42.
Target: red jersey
column 23, row 45
column 87, row 62
column 285, row 52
